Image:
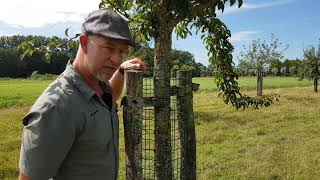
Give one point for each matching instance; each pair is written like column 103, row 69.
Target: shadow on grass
column 201, row 116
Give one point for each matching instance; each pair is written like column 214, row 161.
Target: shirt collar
column 78, row 81
column 81, row 85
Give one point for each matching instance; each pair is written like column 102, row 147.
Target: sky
column 296, row 23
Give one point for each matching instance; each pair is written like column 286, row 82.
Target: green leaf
column 240, row 2
column 220, row 6
column 48, row 57
column 232, row 2
column 66, row 32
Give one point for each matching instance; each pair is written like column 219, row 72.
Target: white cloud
column 247, row 6
column 242, row 36
column 37, row 13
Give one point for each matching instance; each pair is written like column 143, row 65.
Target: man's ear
column 84, row 39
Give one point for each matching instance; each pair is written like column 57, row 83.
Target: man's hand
column 117, row 80
column 135, row 63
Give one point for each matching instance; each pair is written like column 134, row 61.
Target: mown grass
column 278, row 142
column 20, row 92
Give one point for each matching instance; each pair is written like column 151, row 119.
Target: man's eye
column 108, row 47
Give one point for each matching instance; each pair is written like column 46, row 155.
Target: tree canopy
column 157, row 20
column 311, row 65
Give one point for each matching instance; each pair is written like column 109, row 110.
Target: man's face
column 104, row 56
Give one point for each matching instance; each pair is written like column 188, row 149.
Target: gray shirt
column 70, row 133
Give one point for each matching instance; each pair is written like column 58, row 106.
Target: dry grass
column 280, row 142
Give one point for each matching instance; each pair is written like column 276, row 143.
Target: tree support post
column 132, row 122
column 186, row 125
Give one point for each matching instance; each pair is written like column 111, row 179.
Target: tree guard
column 156, row 149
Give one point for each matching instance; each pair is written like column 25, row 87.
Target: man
column 71, row 132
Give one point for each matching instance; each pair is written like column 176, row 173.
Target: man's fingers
column 135, row 63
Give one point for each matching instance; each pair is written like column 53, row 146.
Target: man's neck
column 92, row 82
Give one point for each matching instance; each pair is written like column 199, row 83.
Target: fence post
column 132, row 122
column 187, row 125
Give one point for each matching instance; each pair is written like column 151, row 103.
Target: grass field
column 279, row 142
column 250, row 83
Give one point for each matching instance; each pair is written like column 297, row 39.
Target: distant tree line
column 11, row 64
column 264, row 59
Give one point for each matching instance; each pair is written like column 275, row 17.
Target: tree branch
column 118, row 10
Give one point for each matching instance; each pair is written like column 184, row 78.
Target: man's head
column 107, row 23
column 104, row 42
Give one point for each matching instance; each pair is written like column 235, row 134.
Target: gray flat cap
column 107, row 23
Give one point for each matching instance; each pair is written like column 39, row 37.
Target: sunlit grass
column 250, row 83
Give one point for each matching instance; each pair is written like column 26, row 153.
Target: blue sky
column 295, row 22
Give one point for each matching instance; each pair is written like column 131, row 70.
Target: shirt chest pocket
column 98, row 130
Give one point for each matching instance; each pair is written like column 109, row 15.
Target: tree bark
column 315, row 85
column 132, row 122
column 162, row 68
column 186, row 126
column 259, row 83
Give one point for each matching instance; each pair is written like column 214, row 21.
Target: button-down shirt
column 71, row 133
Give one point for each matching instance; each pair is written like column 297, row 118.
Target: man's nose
column 116, row 59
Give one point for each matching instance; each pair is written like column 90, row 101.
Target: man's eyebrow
column 113, row 43
column 107, row 42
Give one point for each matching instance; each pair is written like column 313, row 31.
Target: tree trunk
column 315, row 84
column 162, row 68
column 259, row 83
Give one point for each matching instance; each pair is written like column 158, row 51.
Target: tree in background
column 311, row 65
column 259, row 55
column 275, row 67
column 244, row 68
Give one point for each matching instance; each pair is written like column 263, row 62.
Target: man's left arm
column 117, row 80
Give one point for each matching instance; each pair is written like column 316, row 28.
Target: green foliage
column 260, row 54
column 46, row 50
column 12, row 66
column 311, row 63
column 146, row 16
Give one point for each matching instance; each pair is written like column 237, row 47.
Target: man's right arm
column 47, row 138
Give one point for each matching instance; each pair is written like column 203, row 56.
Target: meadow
column 278, row 142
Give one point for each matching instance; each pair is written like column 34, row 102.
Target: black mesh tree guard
column 145, row 159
